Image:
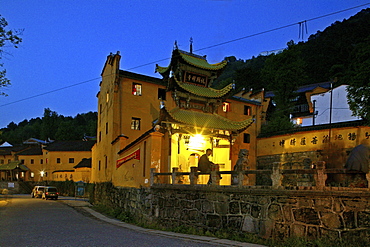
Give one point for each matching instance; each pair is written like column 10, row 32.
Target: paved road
column 26, row 221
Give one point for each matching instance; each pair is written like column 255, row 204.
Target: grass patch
column 116, row 213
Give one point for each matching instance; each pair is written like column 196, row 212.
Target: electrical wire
column 201, row 49
column 52, row 91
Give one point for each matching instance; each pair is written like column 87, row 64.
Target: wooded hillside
column 51, row 126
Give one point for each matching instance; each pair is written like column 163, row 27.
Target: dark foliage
column 339, row 54
column 51, row 126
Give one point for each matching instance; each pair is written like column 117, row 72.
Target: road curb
column 202, row 239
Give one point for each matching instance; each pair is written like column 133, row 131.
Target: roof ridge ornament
column 191, row 45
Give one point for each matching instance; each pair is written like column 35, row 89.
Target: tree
column 11, row 38
column 359, row 81
column 50, row 124
column 284, row 73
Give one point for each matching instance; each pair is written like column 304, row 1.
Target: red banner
column 135, row 155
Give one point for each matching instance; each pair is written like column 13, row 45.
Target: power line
column 52, row 91
column 260, row 33
column 204, row 48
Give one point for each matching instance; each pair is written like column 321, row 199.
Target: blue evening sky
column 66, row 42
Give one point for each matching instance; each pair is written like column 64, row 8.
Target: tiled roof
column 160, row 69
column 208, row 120
column 35, row 150
column 70, row 146
column 9, row 150
column 193, row 59
column 13, row 165
column 134, row 76
column 254, row 102
column 201, row 62
column 84, row 163
column 63, row 171
column 133, row 143
column 205, row 91
column 34, row 141
column 310, row 87
column 303, row 89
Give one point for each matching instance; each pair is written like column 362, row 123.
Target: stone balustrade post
column 175, row 177
column 240, row 178
column 276, row 175
column 152, row 177
column 320, row 176
column 214, row 175
column 193, row 175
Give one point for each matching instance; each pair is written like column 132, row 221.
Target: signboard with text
column 135, row 155
column 195, row 78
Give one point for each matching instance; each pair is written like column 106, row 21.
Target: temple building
column 146, row 122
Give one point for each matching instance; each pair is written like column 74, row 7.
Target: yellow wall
column 51, row 165
column 136, row 172
column 6, row 158
column 335, row 151
column 63, row 176
column 35, row 168
column 117, row 105
column 82, row 174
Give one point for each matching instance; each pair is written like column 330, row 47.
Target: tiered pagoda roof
column 205, row 120
column 206, row 92
column 190, row 59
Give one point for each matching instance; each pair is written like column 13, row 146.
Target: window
column 99, row 136
column 225, row 107
column 71, row 160
column 41, row 161
column 32, row 174
column 32, row 161
column 106, row 162
column 161, row 93
column 99, row 165
column 247, row 138
column 106, row 128
column 58, row 160
column 1, row 161
column 22, row 161
column 136, row 89
column 247, row 110
column 135, row 123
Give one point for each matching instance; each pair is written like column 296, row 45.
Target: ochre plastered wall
column 330, row 145
column 117, row 106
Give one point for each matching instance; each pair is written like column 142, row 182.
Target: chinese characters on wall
column 317, row 139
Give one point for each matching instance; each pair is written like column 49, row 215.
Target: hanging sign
column 195, row 78
column 135, row 155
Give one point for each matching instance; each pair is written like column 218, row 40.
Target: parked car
column 37, row 191
column 50, row 192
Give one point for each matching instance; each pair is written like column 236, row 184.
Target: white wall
column 340, row 108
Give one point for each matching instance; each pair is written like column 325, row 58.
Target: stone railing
column 318, row 173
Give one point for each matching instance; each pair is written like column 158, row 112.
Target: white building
column 328, row 106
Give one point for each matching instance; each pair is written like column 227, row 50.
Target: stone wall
column 9, row 187
column 265, row 212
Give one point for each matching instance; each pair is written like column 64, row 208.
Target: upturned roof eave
column 205, row 120
column 207, row 92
